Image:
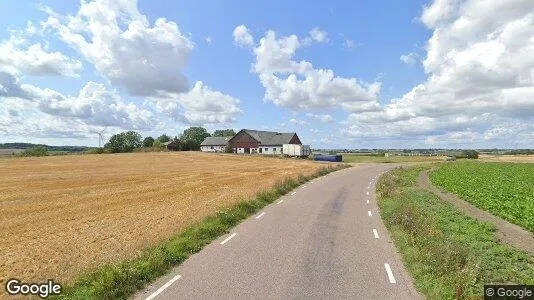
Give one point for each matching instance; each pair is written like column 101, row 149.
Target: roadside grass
column 120, row 280
column 504, row 189
column 449, row 254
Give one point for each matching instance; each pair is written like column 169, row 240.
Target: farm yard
column 63, row 215
column 504, row 189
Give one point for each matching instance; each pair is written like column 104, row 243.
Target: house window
column 266, row 149
column 211, row 147
column 274, row 149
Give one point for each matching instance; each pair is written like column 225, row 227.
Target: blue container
column 324, row 157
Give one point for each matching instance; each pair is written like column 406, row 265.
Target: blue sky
column 352, row 74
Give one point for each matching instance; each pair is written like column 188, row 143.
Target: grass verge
column 120, row 280
column 449, row 254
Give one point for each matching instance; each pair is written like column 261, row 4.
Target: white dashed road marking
column 375, row 233
column 369, row 213
column 390, row 273
column 260, row 215
column 293, row 193
column 367, row 193
column 228, row 238
column 162, row 288
column 367, row 201
column 280, row 201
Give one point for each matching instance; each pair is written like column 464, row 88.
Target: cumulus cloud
column 298, row 85
column 18, row 55
column 480, row 74
column 93, row 106
column 242, row 36
column 201, row 105
column 145, row 59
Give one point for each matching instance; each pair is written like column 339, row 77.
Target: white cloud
column 326, row 118
column 316, row 35
column 118, row 40
column 201, row 105
column 209, row 40
column 351, row 44
column 242, row 36
column 480, row 75
column 297, row 122
column 93, row 106
column 17, row 56
column 298, row 85
column 409, row 59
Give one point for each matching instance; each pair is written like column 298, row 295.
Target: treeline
column 130, row 141
column 47, row 147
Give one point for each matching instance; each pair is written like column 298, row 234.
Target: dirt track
column 63, row 215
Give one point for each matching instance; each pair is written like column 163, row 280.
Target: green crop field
column 504, row 189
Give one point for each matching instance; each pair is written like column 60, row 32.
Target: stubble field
column 63, row 215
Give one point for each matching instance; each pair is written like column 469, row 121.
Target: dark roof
column 215, row 141
column 270, row 138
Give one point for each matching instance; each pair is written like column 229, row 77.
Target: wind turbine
column 100, row 138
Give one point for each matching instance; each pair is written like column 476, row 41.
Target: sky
column 342, row 74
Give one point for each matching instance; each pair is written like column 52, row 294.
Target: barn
column 262, row 142
column 171, row 146
column 214, row 143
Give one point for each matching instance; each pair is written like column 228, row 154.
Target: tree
column 472, row 154
column 179, row 144
column 124, row 142
column 158, row 145
column 148, row 142
column 164, row 138
column 192, row 137
column 35, row 151
column 224, row 132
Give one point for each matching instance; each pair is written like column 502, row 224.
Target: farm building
column 262, row 142
column 171, row 146
column 214, row 143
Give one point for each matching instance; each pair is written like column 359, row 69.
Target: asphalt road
column 324, row 240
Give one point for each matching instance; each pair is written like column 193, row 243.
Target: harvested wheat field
column 62, row 215
column 508, row 158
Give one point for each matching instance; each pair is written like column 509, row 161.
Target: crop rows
column 504, row 189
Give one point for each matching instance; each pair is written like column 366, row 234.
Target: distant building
column 262, row 142
column 214, row 143
column 171, row 146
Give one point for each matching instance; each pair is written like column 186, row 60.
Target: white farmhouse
column 214, row 143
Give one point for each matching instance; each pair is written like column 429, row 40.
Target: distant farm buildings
column 215, row 144
column 252, row 141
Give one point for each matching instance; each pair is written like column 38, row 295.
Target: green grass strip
column 449, row 255
column 120, row 280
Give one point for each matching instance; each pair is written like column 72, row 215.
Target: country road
column 325, row 239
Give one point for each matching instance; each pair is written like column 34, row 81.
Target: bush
column 471, row 154
column 95, row 151
column 35, row 151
